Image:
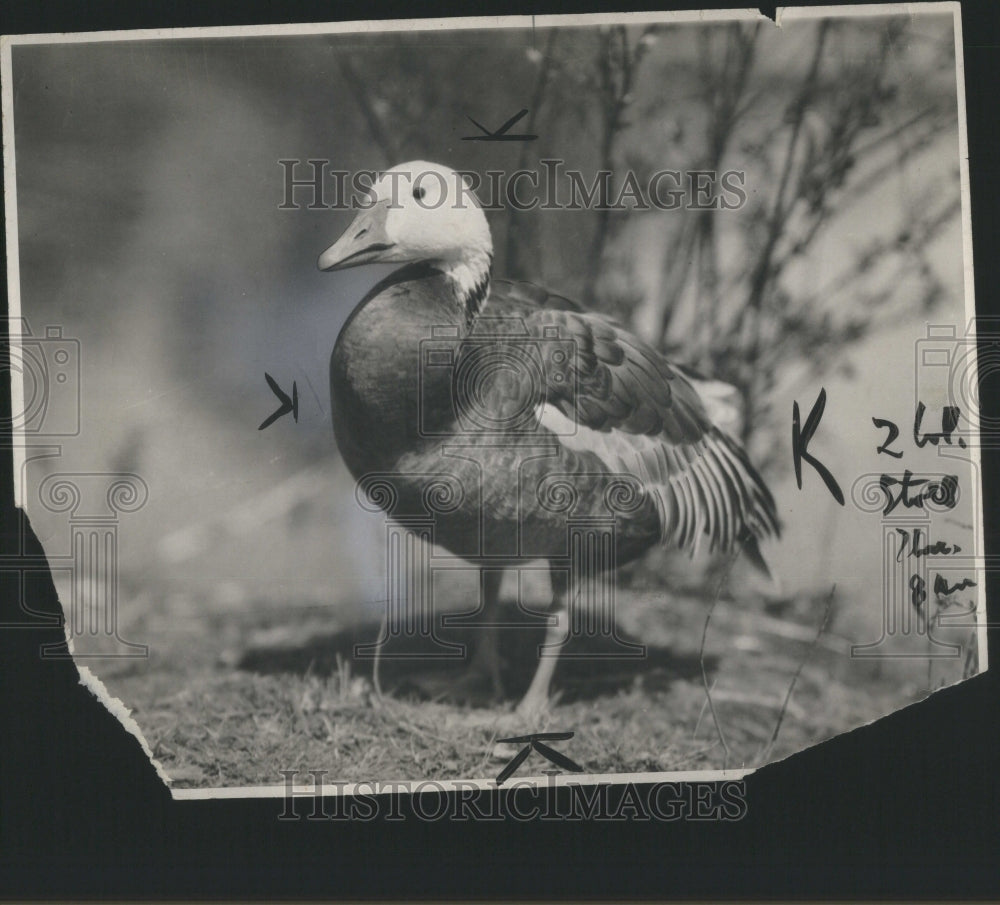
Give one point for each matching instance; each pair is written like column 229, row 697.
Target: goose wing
column 622, row 400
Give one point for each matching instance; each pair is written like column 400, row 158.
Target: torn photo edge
column 21, row 442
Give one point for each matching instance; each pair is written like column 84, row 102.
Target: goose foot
column 479, row 685
column 533, row 707
column 472, row 688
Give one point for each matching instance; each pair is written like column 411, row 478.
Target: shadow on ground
column 589, row 666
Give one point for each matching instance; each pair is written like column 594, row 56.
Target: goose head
column 419, row 212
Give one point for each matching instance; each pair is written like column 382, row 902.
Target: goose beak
column 363, row 242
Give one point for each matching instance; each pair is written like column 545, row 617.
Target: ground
column 233, row 698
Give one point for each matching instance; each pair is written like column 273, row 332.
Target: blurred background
column 148, row 190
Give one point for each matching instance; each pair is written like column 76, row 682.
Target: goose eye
column 419, row 192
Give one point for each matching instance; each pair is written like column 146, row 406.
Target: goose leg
column 536, row 699
column 479, row 682
column 486, row 658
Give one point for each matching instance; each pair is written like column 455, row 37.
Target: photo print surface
column 466, row 399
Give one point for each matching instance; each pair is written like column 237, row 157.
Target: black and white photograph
column 460, row 403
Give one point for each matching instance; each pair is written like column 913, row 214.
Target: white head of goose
column 575, row 417
column 421, row 212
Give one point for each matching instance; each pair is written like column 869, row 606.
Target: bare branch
column 380, row 134
column 795, row 678
column 519, row 238
column 701, row 654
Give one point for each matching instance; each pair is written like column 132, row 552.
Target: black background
column 905, row 808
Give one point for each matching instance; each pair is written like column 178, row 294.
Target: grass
column 233, row 699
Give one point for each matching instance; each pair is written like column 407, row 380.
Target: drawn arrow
column 501, row 133
column 519, row 759
column 287, row 404
column 534, row 743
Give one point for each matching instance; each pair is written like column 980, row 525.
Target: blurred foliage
column 152, row 176
column 148, row 190
column 817, row 116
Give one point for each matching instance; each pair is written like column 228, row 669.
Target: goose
column 570, row 401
